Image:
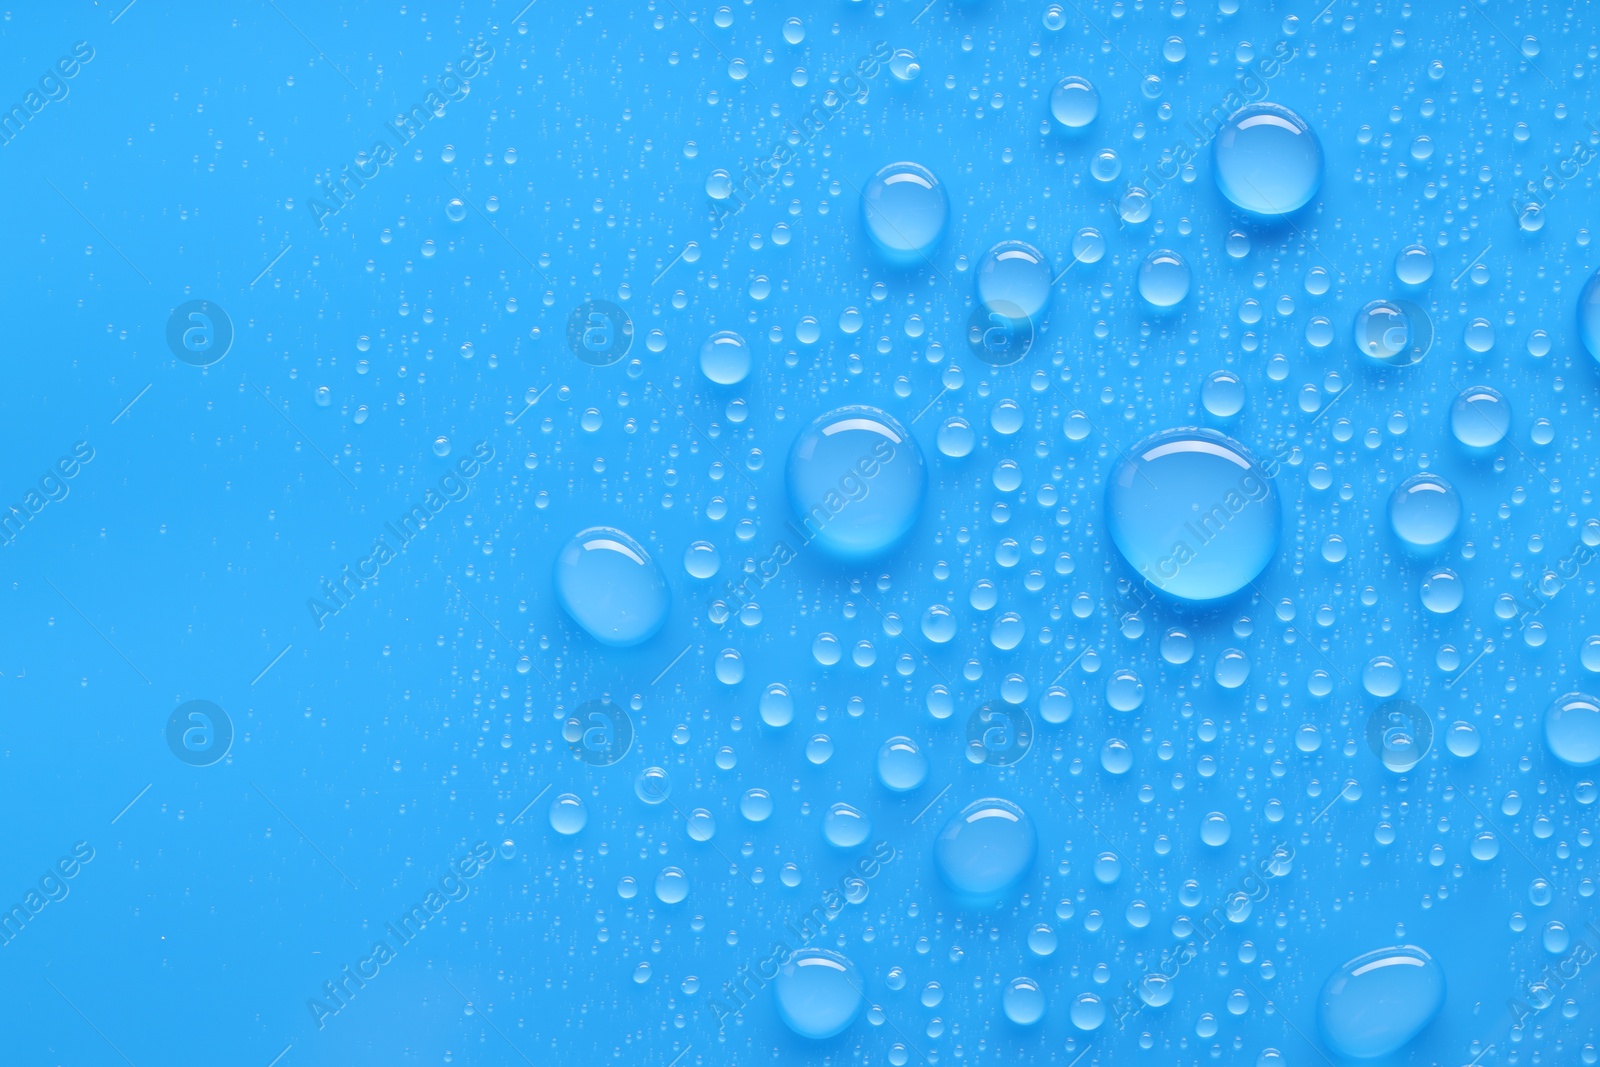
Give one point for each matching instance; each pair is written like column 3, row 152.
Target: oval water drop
column 1379, row 1001
column 609, row 585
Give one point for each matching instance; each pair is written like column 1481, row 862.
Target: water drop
column 1572, row 730
column 845, row 826
column 568, row 815
column 1163, row 278
column 901, row 765
column 986, row 849
column 609, row 585
column 856, row 479
column 817, row 993
column 1267, row 160
column 1424, row 510
column 1480, row 417
column 1023, row 1001
column 1014, row 280
column 1193, row 512
column 1379, row 1001
column 1074, row 102
column 904, row 209
column 725, row 358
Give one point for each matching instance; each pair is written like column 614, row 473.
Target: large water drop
column 986, row 849
column 1193, row 512
column 1424, row 510
column 856, row 480
column 818, row 993
column 1379, row 1001
column 611, row 587
column 904, row 209
column 1014, row 280
column 1267, row 160
column 1572, row 730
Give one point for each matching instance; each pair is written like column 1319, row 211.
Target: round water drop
column 1163, row 278
column 817, row 993
column 719, row 184
column 819, row 749
column 845, row 826
column 568, row 814
column 956, row 437
column 1023, row 1001
column 1480, row 417
column 1424, row 510
column 1442, row 591
column 1381, row 677
column 756, row 805
column 1074, row 102
column 1116, row 757
column 938, row 624
column 901, row 765
column 1193, row 512
column 1485, row 846
column 610, row 586
column 1589, row 315
column 1155, row 989
column 702, row 825
column 777, row 706
column 1107, row 868
column 1014, row 280
column 1414, row 265
column 1088, row 1012
column 1589, row 654
column 1042, row 940
column 1266, row 160
column 1124, row 690
column 730, row 667
column 857, row 478
column 986, row 849
column 1479, row 335
column 1572, row 730
column 1462, row 739
column 672, row 885
column 1088, row 245
column 1379, row 1001
column 1055, row 707
column 725, row 358
column 1387, row 332
column 1232, row 669
column 1177, row 647
column 1105, row 165
column 701, row 559
column 652, row 786
column 1214, row 829
column 1223, row 394
column 904, row 209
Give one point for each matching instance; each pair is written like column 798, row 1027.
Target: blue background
column 381, row 748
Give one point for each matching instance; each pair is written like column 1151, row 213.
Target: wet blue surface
column 334, row 327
